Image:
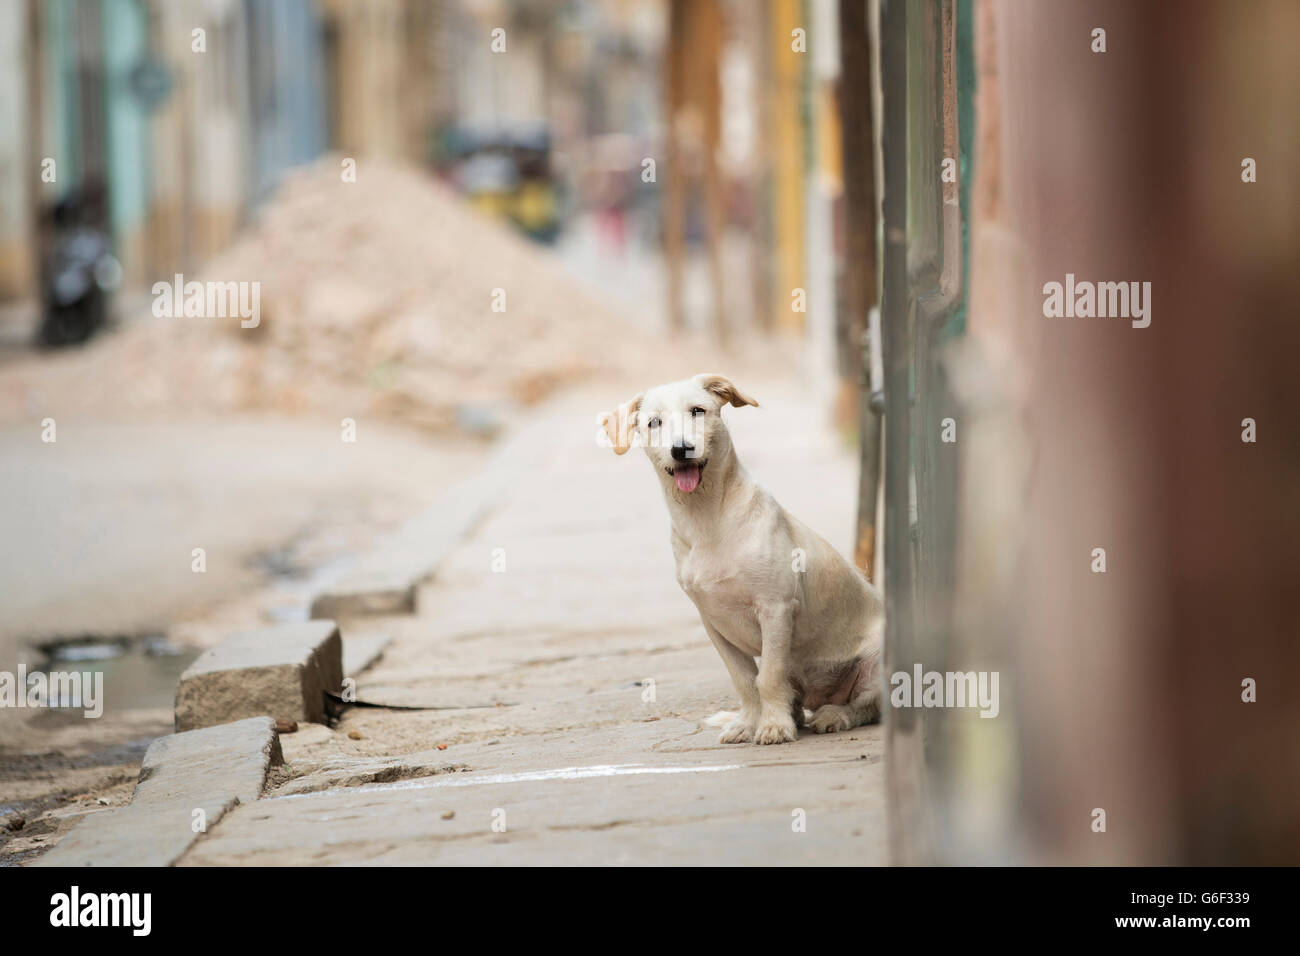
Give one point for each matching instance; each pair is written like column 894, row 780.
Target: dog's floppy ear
column 620, row 424
column 724, row 388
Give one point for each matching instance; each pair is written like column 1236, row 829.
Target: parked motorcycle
column 79, row 273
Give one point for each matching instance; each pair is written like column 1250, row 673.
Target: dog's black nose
column 682, row 449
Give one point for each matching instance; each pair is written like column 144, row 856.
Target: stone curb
column 387, row 580
column 284, row 671
column 187, row 783
column 362, row 650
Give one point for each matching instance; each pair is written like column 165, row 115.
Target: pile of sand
column 376, row 299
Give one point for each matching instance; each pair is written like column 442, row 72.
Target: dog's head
column 679, row 425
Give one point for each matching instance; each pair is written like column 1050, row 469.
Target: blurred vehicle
column 79, row 272
column 506, row 173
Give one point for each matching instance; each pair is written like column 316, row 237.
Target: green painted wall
column 122, row 44
column 125, row 31
column 62, row 101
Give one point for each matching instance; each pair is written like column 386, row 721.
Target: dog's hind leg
column 832, row 718
column 863, row 706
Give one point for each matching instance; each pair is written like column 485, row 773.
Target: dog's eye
column 653, row 423
column 696, row 412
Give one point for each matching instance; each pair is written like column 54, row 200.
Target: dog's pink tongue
column 688, row 477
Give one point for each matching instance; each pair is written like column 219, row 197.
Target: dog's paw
column 776, row 732
column 738, row 731
column 832, row 718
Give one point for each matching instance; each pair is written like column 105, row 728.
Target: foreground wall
column 1125, row 690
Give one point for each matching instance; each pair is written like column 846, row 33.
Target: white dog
column 765, row 585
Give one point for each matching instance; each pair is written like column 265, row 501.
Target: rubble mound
column 387, row 296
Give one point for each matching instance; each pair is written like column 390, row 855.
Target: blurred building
column 188, row 112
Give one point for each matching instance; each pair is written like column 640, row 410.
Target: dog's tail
column 721, row 718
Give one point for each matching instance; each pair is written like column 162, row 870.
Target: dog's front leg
column 776, row 691
column 743, row 672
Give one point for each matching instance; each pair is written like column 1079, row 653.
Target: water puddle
column 140, row 672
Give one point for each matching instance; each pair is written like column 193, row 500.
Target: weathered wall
column 1089, row 433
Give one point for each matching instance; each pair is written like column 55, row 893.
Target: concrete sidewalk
column 543, row 631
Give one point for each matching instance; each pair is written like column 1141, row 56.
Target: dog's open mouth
column 687, row 475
